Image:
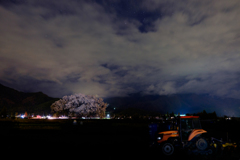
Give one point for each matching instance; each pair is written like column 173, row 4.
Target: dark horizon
column 39, row 102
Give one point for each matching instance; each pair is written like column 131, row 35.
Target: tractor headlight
column 159, row 137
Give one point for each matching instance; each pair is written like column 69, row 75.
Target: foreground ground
column 94, row 139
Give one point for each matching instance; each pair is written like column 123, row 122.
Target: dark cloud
column 113, row 48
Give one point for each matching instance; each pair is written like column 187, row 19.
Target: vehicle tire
column 201, row 144
column 167, row 149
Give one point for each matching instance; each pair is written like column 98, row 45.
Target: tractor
column 184, row 133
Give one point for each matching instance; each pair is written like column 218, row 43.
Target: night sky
column 117, row 47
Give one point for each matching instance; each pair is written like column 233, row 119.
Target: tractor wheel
column 201, row 144
column 167, row 149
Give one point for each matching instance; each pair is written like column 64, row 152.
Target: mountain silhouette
column 177, row 103
column 39, row 103
column 16, row 101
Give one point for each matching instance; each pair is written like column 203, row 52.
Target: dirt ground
column 94, row 139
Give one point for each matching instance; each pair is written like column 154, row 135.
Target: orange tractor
column 184, row 132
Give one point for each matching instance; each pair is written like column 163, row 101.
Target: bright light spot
column 182, row 114
column 63, row 117
column 52, row 118
column 49, row 117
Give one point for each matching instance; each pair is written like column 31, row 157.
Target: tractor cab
column 183, row 128
column 188, row 124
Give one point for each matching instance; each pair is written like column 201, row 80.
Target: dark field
column 97, row 139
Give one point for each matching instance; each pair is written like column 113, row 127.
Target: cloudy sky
column 116, row 47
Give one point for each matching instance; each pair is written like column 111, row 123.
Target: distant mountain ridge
column 16, row 101
column 39, row 103
column 178, row 103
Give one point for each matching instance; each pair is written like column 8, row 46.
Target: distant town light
column 49, row 117
column 182, row 114
column 63, row 117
